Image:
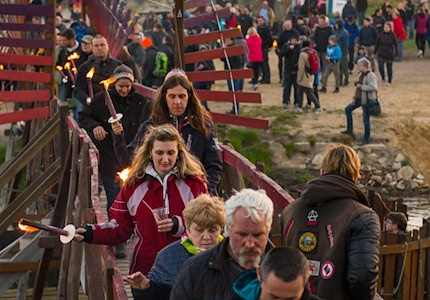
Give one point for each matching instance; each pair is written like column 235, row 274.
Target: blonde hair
column 205, row 211
column 187, row 164
column 252, row 31
column 341, row 160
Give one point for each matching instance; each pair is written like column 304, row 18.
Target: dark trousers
column 323, row 62
column 111, row 185
column 309, row 94
column 344, row 75
column 420, row 40
column 280, row 67
column 290, row 80
column 351, row 49
column 266, row 68
column 366, row 118
column 256, row 68
column 381, row 64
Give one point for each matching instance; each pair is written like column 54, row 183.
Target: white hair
column 256, row 203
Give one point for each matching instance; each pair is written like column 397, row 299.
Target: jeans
column 323, row 62
column 400, row 50
column 420, row 40
column 411, row 25
column 344, row 69
column 381, row 63
column 238, row 87
column 361, row 16
column 290, row 80
column 351, row 50
column 266, row 67
column 366, row 118
column 255, row 68
column 111, row 185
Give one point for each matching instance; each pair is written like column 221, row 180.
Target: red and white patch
column 327, row 270
column 314, row 267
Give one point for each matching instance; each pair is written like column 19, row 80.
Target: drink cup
column 160, row 213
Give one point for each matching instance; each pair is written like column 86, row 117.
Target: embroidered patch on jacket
column 330, row 236
column 308, row 241
column 312, row 218
column 327, row 270
column 314, row 267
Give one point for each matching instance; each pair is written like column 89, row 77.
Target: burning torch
column 72, row 58
column 115, row 117
column 69, row 71
column 90, row 75
column 66, row 234
column 64, row 78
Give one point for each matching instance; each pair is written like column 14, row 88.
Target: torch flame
column 59, row 68
column 74, row 70
column 67, row 66
column 275, row 43
column 73, row 56
column 90, row 73
column 107, row 82
column 1, row 67
column 27, row 228
column 123, row 175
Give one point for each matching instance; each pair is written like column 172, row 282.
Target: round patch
column 307, row 241
column 327, row 270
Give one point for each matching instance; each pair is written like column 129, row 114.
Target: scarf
column 188, row 244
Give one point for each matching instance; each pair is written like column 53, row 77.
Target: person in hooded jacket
column 164, row 177
column 177, row 103
column 386, row 51
column 421, row 21
column 332, row 224
column 342, row 40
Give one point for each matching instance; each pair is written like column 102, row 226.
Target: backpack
column 313, row 64
column 161, row 64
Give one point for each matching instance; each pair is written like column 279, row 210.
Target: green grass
column 304, row 177
column 312, row 140
column 407, row 162
column 2, row 151
column 289, row 149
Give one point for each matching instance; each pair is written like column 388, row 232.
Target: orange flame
column 90, row 73
column 27, row 228
column 107, row 82
column 73, row 56
column 74, row 70
column 59, row 68
column 123, row 175
column 1, row 67
column 67, row 66
column 275, row 43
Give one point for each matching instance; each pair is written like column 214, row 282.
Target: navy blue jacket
column 368, row 36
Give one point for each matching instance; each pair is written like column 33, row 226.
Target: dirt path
column 405, row 122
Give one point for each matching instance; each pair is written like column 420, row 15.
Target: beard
column 249, row 256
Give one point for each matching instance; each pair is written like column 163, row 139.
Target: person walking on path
column 333, row 57
column 386, row 51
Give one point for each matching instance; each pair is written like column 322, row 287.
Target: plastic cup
column 160, row 213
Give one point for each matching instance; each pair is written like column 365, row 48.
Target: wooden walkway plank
column 211, row 36
column 27, row 10
column 27, row 27
column 26, row 76
column 213, row 54
column 208, row 17
column 24, row 115
column 227, row 96
column 220, row 75
column 26, row 43
column 36, row 60
column 195, row 3
column 240, row 121
column 25, row 96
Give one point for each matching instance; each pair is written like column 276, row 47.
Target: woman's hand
column 137, row 280
column 99, row 133
column 165, row 225
column 78, row 234
column 117, row 128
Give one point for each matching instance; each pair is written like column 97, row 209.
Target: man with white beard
column 210, row 275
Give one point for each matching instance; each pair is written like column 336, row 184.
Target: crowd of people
column 186, row 243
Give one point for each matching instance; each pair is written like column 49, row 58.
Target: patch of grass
column 2, row 152
column 407, row 162
column 285, row 118
column 304, row 177
column 312, row 140
column 289, row 149
column 342, row 139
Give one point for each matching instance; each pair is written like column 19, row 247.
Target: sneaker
column 323, row 90
column 345, row 83
column 318, row 110
column 285, row 105
column 254, row 87
column 384, row 82
column 420, row 54
column 308, row 106
column 298, row 110
column 336, row 90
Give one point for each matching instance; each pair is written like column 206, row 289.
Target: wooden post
column 427, row 267
column 422, row 263
column 179, row 36
column 109, row 279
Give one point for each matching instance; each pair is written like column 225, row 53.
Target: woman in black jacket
column 386, row 51
column 177, row 103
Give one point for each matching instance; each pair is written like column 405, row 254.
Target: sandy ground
column 405, row 122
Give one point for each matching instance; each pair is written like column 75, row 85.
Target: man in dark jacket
column 104, row 66
column 283, row 274
column 349, row 11
column 321, row 35
column 367, row 39
column 148, row 78
column 361, row 10
column 245, row 21
column 210, row 275
column 136, row 49
column 266, row 37
column 342, row 40
column 336, row 230
column 290, row 51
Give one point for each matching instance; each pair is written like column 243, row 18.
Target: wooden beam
column 240, row 121
column 27, row 10
column 24, row 115
column 276, row 193
column 212, row 36
column 12, row 267
column 36, row 144
column 26, row 60
column 27, row 27
column 13, row 211
column 196, row 3
column 226, row 96
column 25, row 96
column 179, row 34
column 213, row 54
column 219, row 75
column 26, row 43
column 145, row 91
column 208, row 17
column 26, row 76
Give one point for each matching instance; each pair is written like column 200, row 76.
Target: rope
column 401, row 275
column 382, row 201
column 233, row 88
